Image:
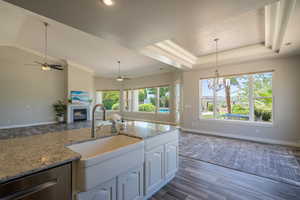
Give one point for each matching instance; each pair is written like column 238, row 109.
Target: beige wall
column 27, row 92
column 107, row 84
column 147, row 81
column 79, row 79
column 286, row 83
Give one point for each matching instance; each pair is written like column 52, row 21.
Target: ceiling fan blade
column 57, row 67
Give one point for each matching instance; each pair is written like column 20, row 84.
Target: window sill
column 237, row 122
column 150, row 113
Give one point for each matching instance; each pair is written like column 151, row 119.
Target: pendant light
column 218, row 83
column 119, row 78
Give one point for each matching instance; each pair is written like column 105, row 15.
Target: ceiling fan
column 120, row 77
column 45, row 65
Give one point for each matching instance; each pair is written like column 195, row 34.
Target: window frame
column 251, row 99
column 156, row 100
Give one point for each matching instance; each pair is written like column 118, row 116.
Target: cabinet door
column 105, row 191
column 130, row 185
column 171, row 159
column 154, row 168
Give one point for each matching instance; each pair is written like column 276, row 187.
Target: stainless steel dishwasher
column 51, row 184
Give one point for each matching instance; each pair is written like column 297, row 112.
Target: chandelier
column 218, row 83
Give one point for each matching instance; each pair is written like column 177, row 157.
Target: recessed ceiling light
column 108, row 2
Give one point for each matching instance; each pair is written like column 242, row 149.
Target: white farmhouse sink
column 104, row 159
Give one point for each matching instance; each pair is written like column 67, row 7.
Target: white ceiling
column 137, row 23
column 25, row 30
column 242, row 30
column 134, row 24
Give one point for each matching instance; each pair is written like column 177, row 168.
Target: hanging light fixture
column 120, row 78
column 218, row 82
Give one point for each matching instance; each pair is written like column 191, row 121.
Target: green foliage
column 210, row 107
column 142, row 95
column 110, row 98
column 257, row 113
column 164, row 97
column 152, row 100
column 239, row 109
column 266, row 116
column 60, row 108
column 116, row 106
column 146, row 108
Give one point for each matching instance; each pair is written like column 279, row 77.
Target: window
column 164, row 99
column 110, row 99
column 245, row 98
column 262, row 97
column 147, row 99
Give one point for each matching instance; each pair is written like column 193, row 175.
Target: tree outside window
column 147, row 100
column 164, row 99
column 110, row 99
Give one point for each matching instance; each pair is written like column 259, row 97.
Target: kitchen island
column 24, row 156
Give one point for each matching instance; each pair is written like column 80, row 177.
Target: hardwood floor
column 197, row 180
column 276, row 162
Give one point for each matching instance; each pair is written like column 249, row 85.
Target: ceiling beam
column 170, row 53
column 277, row 16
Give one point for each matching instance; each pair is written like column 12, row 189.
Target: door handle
column 26, row 192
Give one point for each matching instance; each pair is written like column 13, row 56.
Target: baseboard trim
column 254, row 139
column 27, row 125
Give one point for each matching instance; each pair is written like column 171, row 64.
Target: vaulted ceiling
column 94, row 35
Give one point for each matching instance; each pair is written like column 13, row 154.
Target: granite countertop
column 26, row 155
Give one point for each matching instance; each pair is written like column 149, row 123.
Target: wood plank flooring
column 271, row 161
column 198, row 180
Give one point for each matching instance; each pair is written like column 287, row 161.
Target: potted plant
column 60, row 109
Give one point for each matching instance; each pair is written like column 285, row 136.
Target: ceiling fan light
column 46, row 68
column 120, row 79
column 108, row 2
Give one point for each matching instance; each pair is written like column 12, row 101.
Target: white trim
column 239, row 122
column 242, row 137
column 27, row 125
column 151, row 121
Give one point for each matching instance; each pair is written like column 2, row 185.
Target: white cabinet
column 154, row 168
column 105, row 191
column 161, row 161
column 130, row 185
column 171, row 159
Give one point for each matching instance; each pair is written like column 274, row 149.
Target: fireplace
column 80, row 114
